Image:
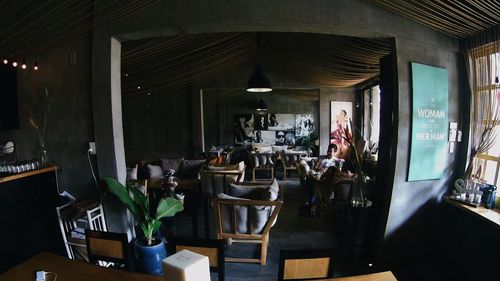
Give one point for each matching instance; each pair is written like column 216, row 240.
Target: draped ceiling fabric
column 314, row 59
column 457, row 18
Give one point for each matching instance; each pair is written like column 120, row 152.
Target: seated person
column 328, row 160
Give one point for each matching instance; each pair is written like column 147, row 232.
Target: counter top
column 489, row 215
column 27, row 174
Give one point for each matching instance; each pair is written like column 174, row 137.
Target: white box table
column 186, row 266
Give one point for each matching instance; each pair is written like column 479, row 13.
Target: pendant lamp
column 258, row 82
column 261, row 106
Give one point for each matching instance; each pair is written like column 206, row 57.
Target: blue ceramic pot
column 148, row 258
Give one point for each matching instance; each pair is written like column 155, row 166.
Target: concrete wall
column 69, row 124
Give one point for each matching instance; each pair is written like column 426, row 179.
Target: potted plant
column 150, row 250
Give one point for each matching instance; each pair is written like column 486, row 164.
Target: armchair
column 247, row 215
column 262, row 161
column 289, row 158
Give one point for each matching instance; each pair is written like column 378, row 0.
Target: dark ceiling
column 312, row 59
column 31, row 27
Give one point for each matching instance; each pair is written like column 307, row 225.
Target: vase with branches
column 359, row 195
column 40, row 126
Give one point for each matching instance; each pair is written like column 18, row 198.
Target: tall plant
column 139, row 205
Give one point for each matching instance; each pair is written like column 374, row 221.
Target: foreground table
column 73, row 270
column 380, row 276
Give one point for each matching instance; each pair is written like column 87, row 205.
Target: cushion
column 155, row 172
column 217, row 160
column 132, row 172
column 263, row 149
column 212, row 183
column 171, row 164
column 278, row 148
column 241, row 212
column 253, row 192
column 271, row 192
column 190, row 169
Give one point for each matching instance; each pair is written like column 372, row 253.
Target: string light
column 23, row 64
column 5, row 61
column 14, row 64
column 35, row 67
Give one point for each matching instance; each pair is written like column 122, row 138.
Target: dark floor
column 291, row 231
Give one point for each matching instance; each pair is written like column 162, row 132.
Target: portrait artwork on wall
column 340, row 126
column 304, row 125
column 281, row 122
column 280, row 137
column 243, row 127
column 261, row 121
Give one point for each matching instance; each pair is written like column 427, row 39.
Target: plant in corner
column 149, row 221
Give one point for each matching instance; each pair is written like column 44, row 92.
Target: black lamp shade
column 261, row 106
column 258, row 82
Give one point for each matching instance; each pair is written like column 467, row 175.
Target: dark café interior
column 249, row 140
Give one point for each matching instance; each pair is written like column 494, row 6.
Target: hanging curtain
column 482, row 56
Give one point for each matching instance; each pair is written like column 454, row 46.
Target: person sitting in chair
column 328, row 160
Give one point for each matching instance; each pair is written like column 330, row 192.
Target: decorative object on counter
column 20, row 167
column 150, row 250
column 489, row 195
column 467, row 191
column 7, row 155
column 40, row 127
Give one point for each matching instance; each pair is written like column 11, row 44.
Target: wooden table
column 380, row 276
column 73, row 270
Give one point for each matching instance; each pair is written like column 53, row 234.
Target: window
column 486, row 67
column 371, row 118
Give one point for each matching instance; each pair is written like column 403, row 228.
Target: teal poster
column 429, row 131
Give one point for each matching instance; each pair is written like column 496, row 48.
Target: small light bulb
column 5, row 61
column 23, row 66
column 126, row 74
column 149, row 94
column 138, row 87
column 35, row 67
column 14, row 64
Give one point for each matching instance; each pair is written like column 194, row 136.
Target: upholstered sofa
column 186, row 172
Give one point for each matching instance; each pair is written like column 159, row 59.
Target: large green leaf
column 168, row 207
column 121, row 192
column 140, row 199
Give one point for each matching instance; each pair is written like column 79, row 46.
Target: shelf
column 27, row 174
column 489, row 215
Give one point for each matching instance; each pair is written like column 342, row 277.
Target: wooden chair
column 333, row 182
column 234, row 214
column 212, row 248
column 108, row 248
column 309, row 264
column 262, row 162
column 288, row 160
column 214, row 182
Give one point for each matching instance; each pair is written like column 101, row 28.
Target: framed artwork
column 243, row 127
column 268, row 137
column 280, row 137
column 340, row 114
column 281, row 122
column 429, row 129
column 304, row 125
column 260, row 121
